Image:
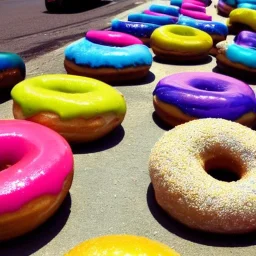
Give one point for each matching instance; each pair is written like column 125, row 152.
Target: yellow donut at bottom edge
column 121, row 245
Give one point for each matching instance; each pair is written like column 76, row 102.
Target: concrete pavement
column 111, row 191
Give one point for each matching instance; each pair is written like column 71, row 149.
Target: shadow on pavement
column 5, row 95
column 33, row 241
column 196, row 236
column 207, row 60
column 145, row 80
column 161, row 124
column 110, row 140
column 247, row 79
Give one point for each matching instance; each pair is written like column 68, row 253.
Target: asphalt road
column 28, row 29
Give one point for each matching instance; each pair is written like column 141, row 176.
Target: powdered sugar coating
column 185, row 190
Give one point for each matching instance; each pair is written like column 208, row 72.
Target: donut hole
column 214, row 85
column 4, row 166
column 186, row 31
column 224, row 168
column 9, row 155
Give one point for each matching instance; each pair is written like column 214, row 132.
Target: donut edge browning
column 173, row 116
column 74, row 130
column 107, row 74
column 33, row 214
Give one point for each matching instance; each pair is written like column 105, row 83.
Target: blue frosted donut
column 242, row 55
column 103, row 62
column 138, row 29
column 210, row 27
column 169, row 10
column 247, row 5
column 158, row 20
column 191, row 95
column 12, row 69
column 176, row 2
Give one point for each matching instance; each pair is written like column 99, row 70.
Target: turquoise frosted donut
column 158, row 20
column 12, row 69
column 107, row 63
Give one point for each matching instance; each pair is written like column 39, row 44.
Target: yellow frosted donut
column 181, row 168
column 121, row 245
column 242, row 19
column 177, row 42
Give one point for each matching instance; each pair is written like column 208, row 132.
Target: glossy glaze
column 86, row 53
column 146, row 18
column 139, row 29
column 68, row 96
column 244, row 16
column 195, row 15
column 205, row 94
column 193, row 7
column 246, row 38
column 121, row 245
column 243, row 55
column 40, row 161
column 10, row 60
column 210, row 27
column 170, row 10
column 111, row 38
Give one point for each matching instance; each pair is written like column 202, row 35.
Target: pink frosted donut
column 36, row 171
column 195, row 15
column 193, row 7
column 195, row 2
column 111, row 38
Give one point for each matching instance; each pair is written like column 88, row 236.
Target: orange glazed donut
column 121, row 245
column 80, row 109
column 180, row 168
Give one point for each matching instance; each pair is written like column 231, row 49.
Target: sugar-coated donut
column 181, row 164
column 80, row 109
column 217, row 30
column 238, row 59
column 182, row 97
column 107, row 63
column 12, row 69
column 139, row 29
column 111, row 38
column 180, row 43
column 241, row 19
column 114, row 245
column 35, row 176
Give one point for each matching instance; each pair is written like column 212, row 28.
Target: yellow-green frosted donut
column 178, row 39
column 81, row 109
column 68, row 96
column 244, row 16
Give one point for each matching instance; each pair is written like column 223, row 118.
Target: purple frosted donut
column 186, row 96
column 246, row 38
